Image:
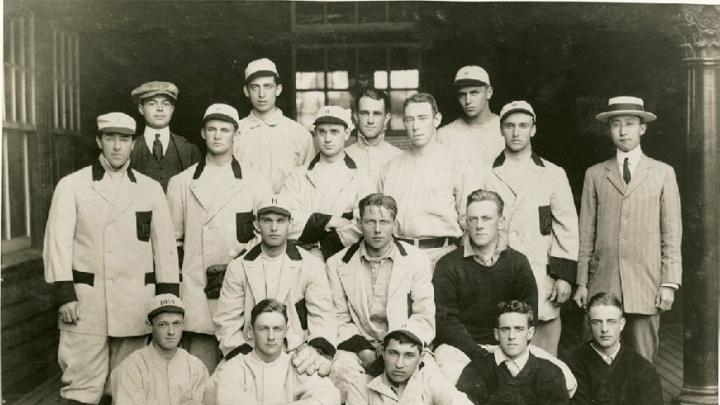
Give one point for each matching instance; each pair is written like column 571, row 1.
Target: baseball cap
column 164, row 303
column 116, row 123
column 259, row 68
column 471, row 75
column 275, row 203
column 222, row 112
column 517, row 106
column 332, row 114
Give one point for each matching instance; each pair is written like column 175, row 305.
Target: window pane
column 341, row 65
column 372, row 60
column 338, row 79
column 340, row 98
column 309, row 80
column 308, row 12
column 20, row 97
column 16, row 184
column 371, row 11
column 397, row 98
column 405, row 79
column 381, row 79
column 340, row 13
column 307, row 104
column 8, row 94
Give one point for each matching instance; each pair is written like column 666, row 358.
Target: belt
column 431, row 243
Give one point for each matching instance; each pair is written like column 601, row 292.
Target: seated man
column 513, row 375
column 266, row 375
column 287, row 273
column 378, row 284
column 471, row 281
column 409, row 377
column 609, row 372
column 161, row 373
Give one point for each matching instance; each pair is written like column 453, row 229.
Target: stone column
column 701, row 204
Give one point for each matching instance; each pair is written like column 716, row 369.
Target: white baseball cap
column 517, row 106
column 471, row 75
column 259, row 68
column 332, row 114
column 224, row 112
column 165, row 303
column 276, row 203
column 116, row 123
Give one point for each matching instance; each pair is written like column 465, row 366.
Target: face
column 606, row 323
column 263, row 92
column 513, row 333
column 273, row 228
column 218, row 136
column 626, row 131
column 167, row 329
column 377, row 224
column 483, row 222
column 268, row 333
column 331, row 138
column 157, row 111
column 371, row 117
column 420, row 123
column 474, row 99
column 116, row 148
column 401, row 360
column 517, row 129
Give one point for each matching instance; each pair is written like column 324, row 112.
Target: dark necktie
column 626, row 171
column 158, row 149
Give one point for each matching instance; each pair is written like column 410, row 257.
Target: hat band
column 221, row 117
column 330, row 120
column 260, row 73
column 273, row 209
column 469, row 82
column 117, row 130
column 625, row 107
column 517, row 110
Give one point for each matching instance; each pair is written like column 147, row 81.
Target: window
column 331, row 75
column 313, row 13
column 19, row 115
column 66, row 82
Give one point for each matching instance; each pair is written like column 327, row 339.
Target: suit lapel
column 104, row 188
column 354, row 285
column 641, row 173
column 256, row 279
column 224, row 193
column 126, row 195
column 202, row 191
column 288, row 277
column 613, row 175
column 397, row 276
column 183, row 153
column 533, row 174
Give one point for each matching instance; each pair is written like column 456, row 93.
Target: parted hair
column 486, row 195
column 374, row 94
column 268, row 305
column 515, row 306
column 604, row 298
column 378, row 200
column 422, row 98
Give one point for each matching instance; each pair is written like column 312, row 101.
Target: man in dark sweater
column 608, row 372
column 513, row 375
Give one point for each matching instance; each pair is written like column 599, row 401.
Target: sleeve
column 588, row 221
column 346, row 327
column 126, row 384
column 167, row 273
column 461, row 189
column 570, row 380
column 449, row 328
column 59, row 242
column 582, row 394
column 357, row 394
column 443, row 392
column 670, row 231
column 306, row 226
column 351, row 233
column 562, row 262
column 177, row 204
column 525, row 286
column 307, row 152
column 551, row 386
column 316, row 388
column 230, row 386
column 649, row 387
column 422, row 296
column 229, row 316
column 322, row 323
column 200, row 380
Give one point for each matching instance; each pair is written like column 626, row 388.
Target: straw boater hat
column 626, row 105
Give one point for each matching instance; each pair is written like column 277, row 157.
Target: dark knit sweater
column 629, row 380
column 539, row 383
column 467, row 294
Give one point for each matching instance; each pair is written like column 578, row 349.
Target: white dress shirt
column 149, row 136
column 633, row 159
column 514, row 365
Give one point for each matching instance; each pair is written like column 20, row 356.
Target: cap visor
column 330, row 120
column 644, row 115
column 167, row 308
column 274, row 210
column 469, row 82
column 260, row 73
column 117, row 130
column 221, row 117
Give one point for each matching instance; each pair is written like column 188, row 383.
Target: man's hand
column 581, row 296
column 560, row 292
column 215, row 275
column 69, row 312
column 308, row 361
column 337, row 222
column 665, row 298
column 367, row 357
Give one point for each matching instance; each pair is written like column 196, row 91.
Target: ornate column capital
column 700, row 32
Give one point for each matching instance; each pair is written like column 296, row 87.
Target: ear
column 256, row 225
column 148, row 323
column 202, row 133
column 622, row 324
column 489, row 92
column 533, row 130
column 132, row 144
column 643, row 128
column 98, row 140
column 355, row 119
column 347, row 134
column 437, row 119
column 278, row 90
column 245, row 91
column 496, row 332
column 388, row 116
column 531, row 333
column 140, row 109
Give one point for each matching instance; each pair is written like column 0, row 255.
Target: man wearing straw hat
column 631, row 228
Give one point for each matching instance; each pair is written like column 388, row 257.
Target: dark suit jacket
column 188, row 153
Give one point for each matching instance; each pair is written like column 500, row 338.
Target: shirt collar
column 149, row 135
column 633, row 156
column 469, row 252
column 390, row 254
column 363, row 143
column 606, row 358
column 521, row 361
column 272, row 119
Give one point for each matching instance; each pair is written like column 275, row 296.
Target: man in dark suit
column 160, row 154
column 631, row 228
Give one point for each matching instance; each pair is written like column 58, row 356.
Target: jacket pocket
column 545, row 219
column 244, row 226
column 143, row 219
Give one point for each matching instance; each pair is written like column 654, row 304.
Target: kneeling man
column 266, row 375
column 161, row 373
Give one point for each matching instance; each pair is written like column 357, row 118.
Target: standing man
column 631, row 228
column 212, row 208
column 540, row 217
column 474, row 138
column 327, row 191
column 284, row 272
column 267, row 141
column 607, row 371
column 162, row 154
column 372, row 114
column 161, row 373
column 109, row 248
column 378, row 284
column 426, row 182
